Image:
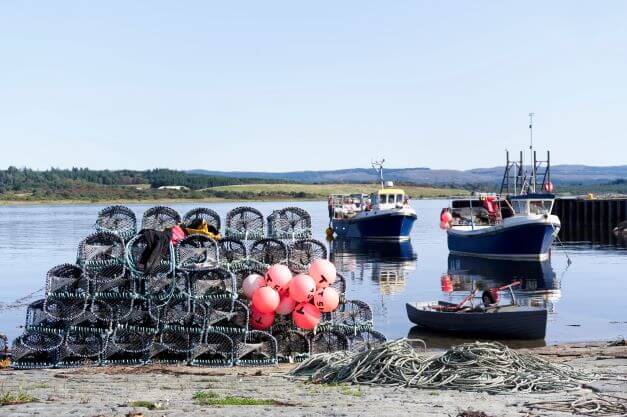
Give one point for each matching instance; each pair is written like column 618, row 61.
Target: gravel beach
column 159, row 390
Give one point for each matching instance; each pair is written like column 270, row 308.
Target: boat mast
column 532, row 158
column 378, row 166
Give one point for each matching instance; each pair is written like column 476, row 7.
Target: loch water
column 586, row 300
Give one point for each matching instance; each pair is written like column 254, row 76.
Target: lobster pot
column 36, row 316
column 292, row 345
column 174, row 344
column 328, row 341
column 83, row 346
column 255, row 348
column 160, row 218
column 129, row 345
column 174, row 310
column 231, row 252
column 216, row 349
column 227, row 316
column 37, row 348
column 213, row 284
column 202, row 213
column 268, row 252
column 241, row 274
column 289, row 223
column 303, row 252
column 123, row 284
column 101, row 255
column 119, row 220
column 66, row 307
column 365, row 340
column 66, row 278
column 113, row 307
column 352, row 315
column 245, row 223
column 196, row 252
column 164, row 267
column 339, row 285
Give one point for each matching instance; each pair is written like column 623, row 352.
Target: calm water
column 586, row 300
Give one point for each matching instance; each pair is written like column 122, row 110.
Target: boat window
column 399, row 198
column 541, row 206
column 520, row 206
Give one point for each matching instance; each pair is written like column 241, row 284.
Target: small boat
column 384, row 215
column 507, row 225
column 488, row 320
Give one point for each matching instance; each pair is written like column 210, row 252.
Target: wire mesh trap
column 292, row 345
column 67, row 307
column 304, row 251
column 101, row 255
column 231, row 250
column 202, row 213
column 289, row 223
column 35, row 314
column 340, row 284
column 129, row 345
column 134, row 256
column 66, row 278
column 328, row 341
column 196, row 252
column 160, row 218
column 364, row 340
column 36, row 348
column 212, row 284
column 216, row 349
column 244, row 223
column 227, row 316
column 175, row 344
column 255, row 348
column 352, row 314
column 119, row 220
column 268, row 252
column 83, row 346
column 113, row 307
column 176, row 310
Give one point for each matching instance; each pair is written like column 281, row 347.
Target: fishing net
column 212, row 284
column 340, row 283
column 303, row 252
column 351, row 314
column 201, row 213
column 292, row 345
column 36, row 348
column 227, row 316
column 180, row 339
column 175, row 310
column 101, row 255
column 216, row 349
column 119, row 220
column 65, row 278
column 268, row 252
column 590, row 405
column 244, row 223
column 160, row 218
column 129, row 345
column 255, row 348
column 290, row 223
column 198, row 317
column 82, row 343
column 113, row 307
column 488, row 367
column 327, row 341
column 35, row 314
column 196, row 252
column 68, row 307
column 231, row 250
column 364, row 340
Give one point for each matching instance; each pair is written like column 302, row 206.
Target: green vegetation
column 145, row 404
column 19, row 397
column 211, row 398
column 346, row 390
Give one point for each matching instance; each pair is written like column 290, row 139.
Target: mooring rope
column 20, row 302
column 596, row 405
column 490, row 367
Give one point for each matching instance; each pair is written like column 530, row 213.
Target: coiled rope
column 489, row 367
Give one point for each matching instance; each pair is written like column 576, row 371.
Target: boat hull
column 519, row 323
column 530, row 240
column 382, row 226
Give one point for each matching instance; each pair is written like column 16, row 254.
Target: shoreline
column 176, row 390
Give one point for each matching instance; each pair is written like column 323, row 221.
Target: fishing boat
column 489, row 319
column 383, row 215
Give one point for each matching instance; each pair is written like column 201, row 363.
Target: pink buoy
column 278, row 277
column 323, row 272
column 306, row 316
column 265, row 300
column 286, row 305
column 251, row 283
column 302, row 288
column 326, row 299
column 259, row 320
column 446, row 217
column 444, row 225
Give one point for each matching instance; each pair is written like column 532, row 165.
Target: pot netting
column 201, row 213
column 231, row 250
column 36, row 348
column 352, row 315
column 66, row 278
column 101, row 255
column 113, row 307
column 196, row 252
column 241, row 275
column 328, row 341
column 36, row 315
column 268, row 252
column 67, row 307
column 292, row 345
column 227, row 316
column 244, row 223
column 340, row 284
column 164, row 268
column 212, row 284
column 81, row 344
column 255, row 348
column 290, row 223
column 160, row 218
column 364, row 340
column 129, row 344
column 303, row 252
column 176, row 310
column 216, row 349
column 119, row 220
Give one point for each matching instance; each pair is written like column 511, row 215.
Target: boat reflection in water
column 539, row 287
column 387, row 262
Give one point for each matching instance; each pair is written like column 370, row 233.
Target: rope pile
column 597, row 405
column 489, row 367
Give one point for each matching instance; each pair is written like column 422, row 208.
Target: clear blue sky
column 276, row 86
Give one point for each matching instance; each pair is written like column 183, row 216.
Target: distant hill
column 561, row 174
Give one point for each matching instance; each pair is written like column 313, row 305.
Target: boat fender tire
column 488, row 298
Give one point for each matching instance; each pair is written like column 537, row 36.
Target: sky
column 288, row 85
